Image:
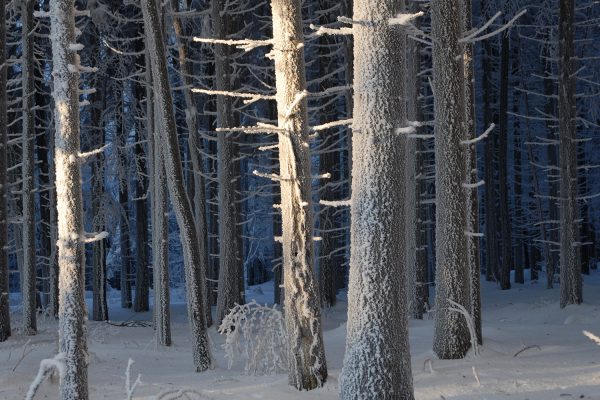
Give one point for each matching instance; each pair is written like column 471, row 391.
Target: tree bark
column 230, row 289
column 451, row 336
column 377, row 359
column 307, row 366
column 29, row 288
column 472, row 177
column 71, row 256
column 570, row 270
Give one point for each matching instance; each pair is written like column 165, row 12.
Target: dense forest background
column 217, row 93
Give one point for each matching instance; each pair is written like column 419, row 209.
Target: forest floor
column 561, row 364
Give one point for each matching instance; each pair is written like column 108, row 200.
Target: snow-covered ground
column 562, row 364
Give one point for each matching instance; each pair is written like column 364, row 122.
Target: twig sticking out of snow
column 533, row 346
column 460, row 309
column 128, row 386
column 23, row 354
column 46, row 367
column 592, row 337
column 476, row 375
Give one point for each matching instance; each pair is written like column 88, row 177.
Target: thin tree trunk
column 160, row 226
column 99, row 301
column 230, row 288
column 141, row 300
column 377, row 359
column 71, row 259
column 194, row 271
column 4, row 305
column 29, row 288
column 472, row 177
column 191, row 117
column 491, row 234
column 451, row 336
column 570, row 270
column 307, row 366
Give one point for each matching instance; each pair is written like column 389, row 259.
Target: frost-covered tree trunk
column 71, row 256
column 377, row 359
column 191, row 117
column 451, row 337
column 471, row 174
column 27, row 169
column 4, row 306
column 308, row 369
column 125, row 243
column 570, row 270
column 230, row 289
column 195, row 287
column 142, row 288
column 160, row 226
column 98, row 104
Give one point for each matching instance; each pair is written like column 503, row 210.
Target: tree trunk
column 505, row 229
column 71, row 256
column 29, row 288
column 230, row 288
column 4, row 306
column 194, row 263
column 472, row 177
column 99, row 301
column 451, row 337
column 570, row 270
column 491, row 233
column 141, row 300
column 191, row 117
column 160, row 226
column 307, row 369
column 377, row 360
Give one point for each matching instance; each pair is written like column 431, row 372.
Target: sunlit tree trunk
column 71, row 256
column 308, row 369
column 377, row 360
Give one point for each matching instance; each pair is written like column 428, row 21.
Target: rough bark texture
column 377, row 360
column 71, row 256
column 230, row 289
column 570, row 270
column 307, row 367
column 28, row 270
column 471, row 173
column 195, row 287
column 451, row 337
column 4, row 306
column 160, row 226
